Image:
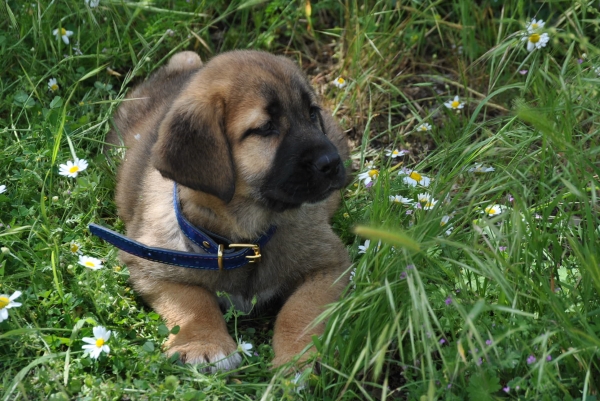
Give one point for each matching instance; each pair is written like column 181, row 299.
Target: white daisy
column 92, row 3
column 244, row 347
column 72, row 169
column 339, row 82
column 62, row 33
column 7, row 302
column 426, row 201
column 75, row 248
column 363, row 248
column 444, row 223
column 454, row 104
column 395, row 153
column 89, row 262
column 424, row 127
column 536, row 41
column 401, row 199
column 299, row 382
column 494, row 210
column 95, row 346
column 480, row 169
column 369, row 176
column 2, row 188
column 412, row 178
column 533, row 25
column 52, row 85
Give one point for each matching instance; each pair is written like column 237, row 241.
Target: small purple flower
column 410, row 267
column 409, row 211
column 488, row 342
column 418, row 206
column 256, row 353
column 510, row 198
column 448, row 301
column 549, row 358
column 502, row 248
column 449, row 385
column 369, row 185
column 457, row 291
column 442, row 341
column 523, row 72
column 531, row 359
column 579, row 61
column 506, row 389
column 479, row 361
column 402, row 275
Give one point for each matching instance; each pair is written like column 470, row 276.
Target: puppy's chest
column 274, row 275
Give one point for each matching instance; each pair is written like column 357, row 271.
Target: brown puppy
column 248, row 145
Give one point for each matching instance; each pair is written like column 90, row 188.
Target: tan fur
column 189, row 123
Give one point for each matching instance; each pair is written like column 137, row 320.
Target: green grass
column 428, row 315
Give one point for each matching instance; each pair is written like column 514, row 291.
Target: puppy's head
column 249, row 124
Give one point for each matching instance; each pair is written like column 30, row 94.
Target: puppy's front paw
column 222, row 356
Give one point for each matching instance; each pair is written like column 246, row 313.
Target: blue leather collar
column 220, row 254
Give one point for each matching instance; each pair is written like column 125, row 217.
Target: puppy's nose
column 328, row 163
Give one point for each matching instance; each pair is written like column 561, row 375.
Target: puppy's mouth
column 291, row 194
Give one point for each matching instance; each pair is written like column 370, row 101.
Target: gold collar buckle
column 253, row 258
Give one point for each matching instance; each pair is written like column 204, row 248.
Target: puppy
column 256, row 161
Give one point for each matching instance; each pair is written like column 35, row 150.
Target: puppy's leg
column 203, row 336
column 294, row 325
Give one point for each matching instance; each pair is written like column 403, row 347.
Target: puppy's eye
column 267, row 129
column 314, row 114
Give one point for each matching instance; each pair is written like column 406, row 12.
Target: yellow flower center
column 455, row 104
column 429, row 204
column 442, row 223
column 341, row 81
column 74, row 248
column 534, row 26
column 74, row 169
column 373, row 173
column 416, row 176
column 63, row 31
column 534, row 38
column 395, row 152
column 90, row 264
column 423, row 128
column 3, row 302
column 491, row 210
column 99, row 342
column 54, row 87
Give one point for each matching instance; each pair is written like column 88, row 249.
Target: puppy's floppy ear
column 193, row 150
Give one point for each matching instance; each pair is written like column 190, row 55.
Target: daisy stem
column 61, row 129
column 54, row 272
